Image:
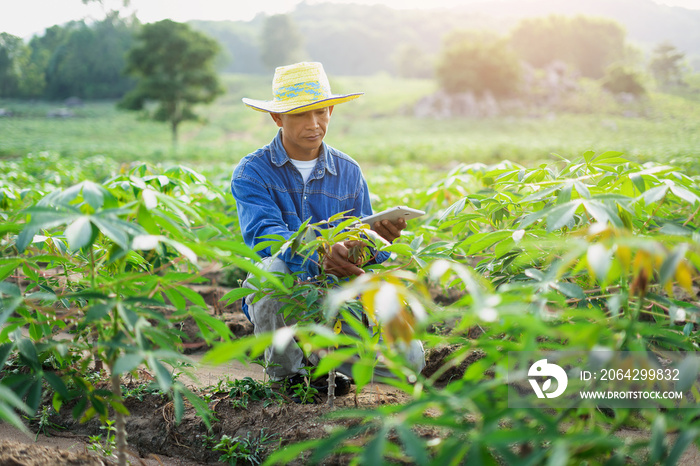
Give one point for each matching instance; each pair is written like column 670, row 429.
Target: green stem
column 120, row 421
column 92, row 268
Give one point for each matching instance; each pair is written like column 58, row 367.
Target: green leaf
column 362, row 372
column 57, row 384
column 638, row 181
column 685, row 438
column 98, row 311
column 79, row 234
column 26, row 237
column 657, row 442
column 373, row 452
column 684, row 194
column 163, row 376
column 413, row 446
column 564, row 195
column 28, row 350
column 236, row 294
column 688, row 370
column 8, row 266
column 668, row 268
column 5, row 350
column 194, row 297
column 34, row 395
column 610, row 157
column 8, row 401
column 482, row 241
column 560, row 454
column 175, row 298
column 112, row 230
column 571, row 290
column 561, row 216
column 93, row 194
column 145, row 220
column 127, row 363
column 654, row 194
column 602, row 213
column 582, row 190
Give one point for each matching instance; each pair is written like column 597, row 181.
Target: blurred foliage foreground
column 597, row 252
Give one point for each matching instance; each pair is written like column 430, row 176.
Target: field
column 376, row 129
column 573, row 228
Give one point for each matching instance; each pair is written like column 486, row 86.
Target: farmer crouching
column 294, row 178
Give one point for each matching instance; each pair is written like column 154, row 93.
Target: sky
column 24, row 18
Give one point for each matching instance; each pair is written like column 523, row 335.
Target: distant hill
column 354, row 39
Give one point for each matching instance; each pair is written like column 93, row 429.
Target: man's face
column 303, row 133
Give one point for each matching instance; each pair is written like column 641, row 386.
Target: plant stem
column 692, row 216
column 120, row 421
column 92, row 268
column 331, row 388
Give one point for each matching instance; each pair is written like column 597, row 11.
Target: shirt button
column 304, row 197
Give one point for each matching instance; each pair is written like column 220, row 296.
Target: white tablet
column 393, row 215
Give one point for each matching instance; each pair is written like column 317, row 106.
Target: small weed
column 247, row 450
column 242, row 391
column 140, row 390
column 305, row 393
column 43, row 422
column 104, row 446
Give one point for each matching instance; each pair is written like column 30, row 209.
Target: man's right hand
column 337, row 262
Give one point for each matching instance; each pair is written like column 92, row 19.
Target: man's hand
column 338, row 262
column 388, row 230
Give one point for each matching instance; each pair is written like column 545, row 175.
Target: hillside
column 353, row 39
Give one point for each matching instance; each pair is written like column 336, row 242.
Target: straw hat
column 299, row 88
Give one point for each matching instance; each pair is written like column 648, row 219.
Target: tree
column 590, row 45
column 281, row 41
column 620, row 79
column 479, row 64
column 667, row 64
column 174, row 66
column 11, row 47
column 413, row 62
column 89, row 62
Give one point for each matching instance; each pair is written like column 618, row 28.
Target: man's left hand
column 388, row 230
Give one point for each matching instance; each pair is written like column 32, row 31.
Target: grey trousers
column 266, row 318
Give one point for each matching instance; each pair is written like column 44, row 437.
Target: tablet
column 393, row 215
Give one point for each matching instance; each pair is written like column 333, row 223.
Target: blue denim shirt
column 272, row 198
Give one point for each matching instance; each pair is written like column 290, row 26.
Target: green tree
column 412, row 61
column 667, row 64
column 479, row 64
column 11, row 49
column 590, row 45
column 174, row 66
column 619, row 79
column 90, row 60
column 281, row 42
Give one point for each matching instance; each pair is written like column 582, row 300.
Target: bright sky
column 24, row 18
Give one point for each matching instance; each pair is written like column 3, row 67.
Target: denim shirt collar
column 279, row 155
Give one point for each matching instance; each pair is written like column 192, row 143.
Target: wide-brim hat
column 299, row 88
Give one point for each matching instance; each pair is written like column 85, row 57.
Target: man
column 296, row 177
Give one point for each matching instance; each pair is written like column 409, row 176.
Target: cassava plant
column 106, row 265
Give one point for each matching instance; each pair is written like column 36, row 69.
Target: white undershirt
column 305, row 167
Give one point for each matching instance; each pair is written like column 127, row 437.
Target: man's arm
column 259, row 216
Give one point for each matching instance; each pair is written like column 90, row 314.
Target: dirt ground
column 155, row 439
